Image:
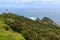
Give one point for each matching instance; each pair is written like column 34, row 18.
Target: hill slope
column 30, row 29
column 8, row 35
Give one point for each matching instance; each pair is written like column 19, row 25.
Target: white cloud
column 50, row 0
column 17, row 0
column 9, row 1
column 29, row 0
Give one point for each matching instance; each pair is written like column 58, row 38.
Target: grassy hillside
column 23, row 27
column 8, row 35
column 6, row 32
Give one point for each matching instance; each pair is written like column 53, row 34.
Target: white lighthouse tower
column 6, row 11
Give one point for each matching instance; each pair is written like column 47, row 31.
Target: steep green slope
column 6, row 32
column 8, row 35
column 30, row 29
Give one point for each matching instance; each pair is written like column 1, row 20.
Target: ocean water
column 52, row 13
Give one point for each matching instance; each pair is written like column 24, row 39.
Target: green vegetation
column 8, row 35
column 15, row 27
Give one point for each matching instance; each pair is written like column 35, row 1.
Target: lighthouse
column 6, row 11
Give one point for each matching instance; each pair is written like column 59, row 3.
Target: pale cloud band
column 29, row 0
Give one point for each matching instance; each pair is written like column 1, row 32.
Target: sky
column 30, row 3
column 33, row 8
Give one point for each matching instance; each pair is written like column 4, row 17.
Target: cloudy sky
column 29, row 0
column 30, row 3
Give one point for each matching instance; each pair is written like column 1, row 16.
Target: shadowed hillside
column 28, row 29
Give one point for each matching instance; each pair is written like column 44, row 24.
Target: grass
column 8, row 35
